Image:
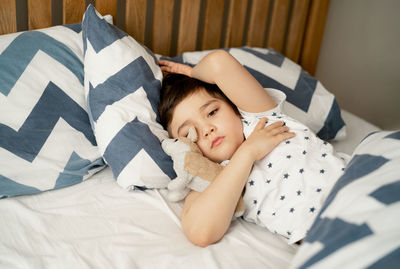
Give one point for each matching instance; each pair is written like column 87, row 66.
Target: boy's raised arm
column 221, row 68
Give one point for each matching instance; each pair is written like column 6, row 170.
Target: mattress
column 97, row 224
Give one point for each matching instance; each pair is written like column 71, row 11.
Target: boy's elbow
column 201, row 239
column 201, row 235
column 217, row 60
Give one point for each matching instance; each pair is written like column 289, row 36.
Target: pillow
column 122, row 83
column 307, row 99
column 46, row 141
column 358, row 224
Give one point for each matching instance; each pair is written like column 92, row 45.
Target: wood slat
column 135, row 19
column 39, row 14
column 162, row 26
column 188, row 24
column 314, row 33
column 106, row 7
column 212, row 24
column 73, row 11
column 296, row 30
column 278, row 25
column 257, row 23
column 8, row 17
column 236, row 23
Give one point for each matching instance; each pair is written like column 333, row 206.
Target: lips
column 217, row 141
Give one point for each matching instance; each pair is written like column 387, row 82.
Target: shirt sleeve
column 278, row 96
column 249, row 119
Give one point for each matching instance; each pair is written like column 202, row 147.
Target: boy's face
column 219, row 128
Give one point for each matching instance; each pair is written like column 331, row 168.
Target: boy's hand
column 264, row 139
column 173, row 67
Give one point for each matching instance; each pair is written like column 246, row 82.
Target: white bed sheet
column 97, row 224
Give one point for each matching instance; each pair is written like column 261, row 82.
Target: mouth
column 217, row 141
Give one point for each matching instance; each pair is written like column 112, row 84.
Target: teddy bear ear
column 192, row 134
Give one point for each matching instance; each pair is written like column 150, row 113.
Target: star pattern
column 292, row 196
column 298, row 192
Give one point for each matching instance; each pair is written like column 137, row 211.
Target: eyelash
column 212, row 113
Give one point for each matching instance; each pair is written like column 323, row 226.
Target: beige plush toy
column 194, row 171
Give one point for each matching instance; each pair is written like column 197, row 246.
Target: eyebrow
column 202, row 108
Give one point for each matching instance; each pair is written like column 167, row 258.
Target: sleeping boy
column 286, row 172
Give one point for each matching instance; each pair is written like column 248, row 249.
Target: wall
column 360, row 59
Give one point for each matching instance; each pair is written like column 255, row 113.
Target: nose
column 208, row 130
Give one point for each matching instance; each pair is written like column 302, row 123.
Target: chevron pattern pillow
column 46, row 141
column 307, row 99
column 357, row 226
column 122, row 83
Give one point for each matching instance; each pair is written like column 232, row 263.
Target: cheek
column 202, row 147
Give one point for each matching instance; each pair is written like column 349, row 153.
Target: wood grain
column 278, row 25
column 297, row 26
column 212, row 24
column 73, row 11
column 313, row 36
column 258, row 23
column 135, row 19
column 39, row 14
column 188, row 24
column 8, row 17
column 236, row 23
column 162, row 26
column 293, row 27
column 106, row 7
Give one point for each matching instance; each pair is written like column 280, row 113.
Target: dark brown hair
column 176, row 87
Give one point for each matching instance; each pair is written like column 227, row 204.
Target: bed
column 82, row 174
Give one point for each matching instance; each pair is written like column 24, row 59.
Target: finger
column 279, row 130
column 286, row 135
column 274, row 125
column 163, row 62
column 165, row 68
column 261, row 123
column 283, row 136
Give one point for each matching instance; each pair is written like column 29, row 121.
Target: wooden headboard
column 169, row 27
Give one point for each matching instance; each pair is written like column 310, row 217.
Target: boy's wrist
column 245, row 151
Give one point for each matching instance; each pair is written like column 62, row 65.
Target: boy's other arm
column 221, row 68
column 207, row 215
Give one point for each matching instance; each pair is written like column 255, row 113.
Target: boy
column 243, row 137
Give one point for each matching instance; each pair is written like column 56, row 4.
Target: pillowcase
column 122, row 83
column 46, row 141
column 307, row 99
column 358, row 224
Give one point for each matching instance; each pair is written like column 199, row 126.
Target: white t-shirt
column 287, row 188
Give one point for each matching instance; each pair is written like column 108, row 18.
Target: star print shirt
column 287, row 188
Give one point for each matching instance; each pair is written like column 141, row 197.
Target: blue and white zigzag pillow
column 122, row 83
column 46, row 141
column 358, row 226
column 307, row 99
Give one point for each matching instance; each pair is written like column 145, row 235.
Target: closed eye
column 212, row 113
